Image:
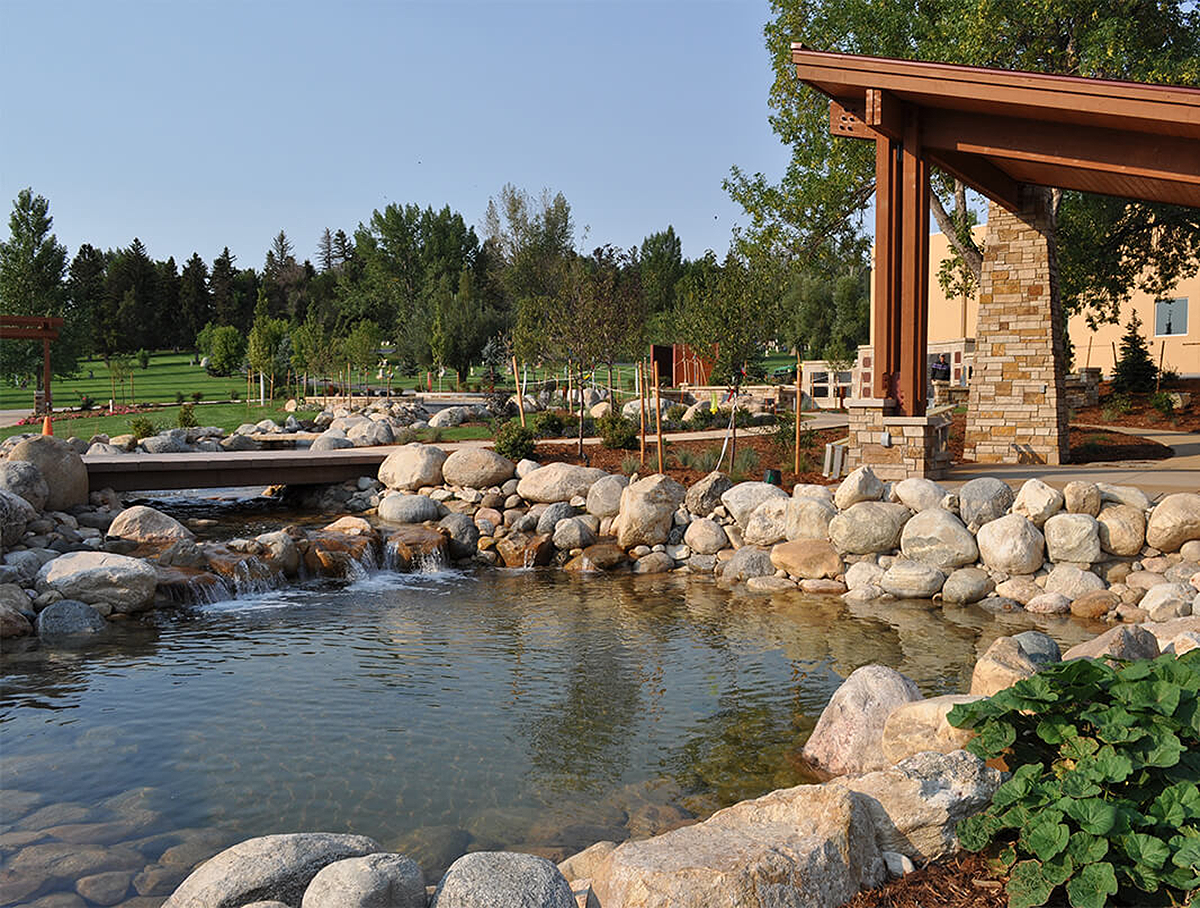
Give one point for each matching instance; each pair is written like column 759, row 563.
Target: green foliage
column 143, row 358
column 515, row 441
column 178, row 397
column 617, row 432
column 197, row 396
column 86, row 402
column 1163, row 402
column 745, row 465
column 227, row 350
column 546, row 424
column 1135, row 370
column 1103, row 799
column 187, row 416
column 675, row 412
column 630, row 465
column 234, row 394
column 142, row 427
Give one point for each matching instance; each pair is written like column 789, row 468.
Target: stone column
column 896, row 447
column 1017, row 411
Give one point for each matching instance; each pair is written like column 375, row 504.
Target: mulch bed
column 1087, row 445
column 763, row 446
column 960, row 881
column 1141, row 414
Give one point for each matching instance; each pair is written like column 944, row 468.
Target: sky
column 199, row 125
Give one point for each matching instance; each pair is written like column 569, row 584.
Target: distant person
column 940, row 370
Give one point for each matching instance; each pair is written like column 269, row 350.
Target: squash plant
column 1103, row 799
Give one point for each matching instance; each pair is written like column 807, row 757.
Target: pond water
column 436, row 713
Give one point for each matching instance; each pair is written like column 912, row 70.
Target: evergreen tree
column 165, row 328
column 195, row 301
column 1135, row 370
column 221, row 284
column 325, row 254
column 32, row 267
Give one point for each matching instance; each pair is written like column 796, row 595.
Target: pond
column 437, row 713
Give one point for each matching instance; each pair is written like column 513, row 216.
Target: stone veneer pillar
column 1017, row 410
column 896, row 447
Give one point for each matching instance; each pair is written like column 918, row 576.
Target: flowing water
column 436, row 712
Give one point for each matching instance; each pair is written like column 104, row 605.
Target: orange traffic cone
column 47, row 428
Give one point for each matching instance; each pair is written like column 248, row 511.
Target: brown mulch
column 1141, row 414
column 960, row 881
column 1087, row 445
column 764, row 447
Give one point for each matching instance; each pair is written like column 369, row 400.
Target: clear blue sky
column 195, row 125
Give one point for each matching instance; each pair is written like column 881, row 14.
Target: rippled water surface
column 441, row 712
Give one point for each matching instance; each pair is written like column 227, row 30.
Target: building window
column 1170, row 317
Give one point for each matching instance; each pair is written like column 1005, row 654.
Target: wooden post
column 1114, row 350
column 520, row 396
column 641, row 380
column 796, row 466
column 1158, row 378
column 47, row 397
column 657, row 415
column 1088, row 361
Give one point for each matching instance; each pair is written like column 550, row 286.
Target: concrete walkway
column 1181, row 473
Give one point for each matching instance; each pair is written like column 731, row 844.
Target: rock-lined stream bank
column 1091, row 553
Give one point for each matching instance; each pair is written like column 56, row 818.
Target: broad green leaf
column 1086, row 848
column 996, row 736
column 1079, row 785
column 1146, row 850
column 1136, row 671
column 1093, row 815
column 1018, row 786
column 1092, row 885
column 1161, row 751
column 1027, row 887
column 1187, row 852
column 1038, row 687
column 975, row 833
column 1045, row 837
column 1159, row 696
column 1176, row 805
column 1016, row 817
column 1056, row 729
column 1079, row 748
column 1108, row 765
column 1058, row 870
column 1140, row 875
column 1007, row 857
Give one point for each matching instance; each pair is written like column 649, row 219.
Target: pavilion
column 1010, row 136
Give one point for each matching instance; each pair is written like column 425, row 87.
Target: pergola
column 998, row 132
column 22, row 327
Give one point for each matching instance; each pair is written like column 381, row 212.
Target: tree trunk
column 969, row 251
column 733, row 435
column 581, row 412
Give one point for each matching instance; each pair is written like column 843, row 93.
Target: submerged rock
column 501, row 879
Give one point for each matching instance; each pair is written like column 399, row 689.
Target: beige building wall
column 1094, row 348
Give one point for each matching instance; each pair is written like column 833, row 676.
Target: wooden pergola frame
column 32, row 327
column 996, row 131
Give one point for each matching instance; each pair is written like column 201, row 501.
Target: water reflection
column 449, row 711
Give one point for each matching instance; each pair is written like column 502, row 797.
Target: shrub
column 617, row 432
column 143, row 358
column 703, row 419
column 745, row 465
column 142, row 427
column 1135, row 370
column 546, row 424
column 1103, row 798
column 630, row 465
column 179, row 397
column 187, row 416
column 675, row 412
column 234, row 395
column 197, row 396
column 1163, row 402
column 86, row 402
column 514, row 440
column 1118, row 405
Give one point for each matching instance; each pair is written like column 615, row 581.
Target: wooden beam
column 885, row 114
column 845, row 120
column 886, row 331
column 981, row 175
column 29, row 333
column 914, row 270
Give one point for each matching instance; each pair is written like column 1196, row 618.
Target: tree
column 227, row 350
column 1135, row 370
column 817, row 311
column 262, row 346
column 221, row 284
column 195, row 301
column 130, row 310
column 361, row 346
column 830, row 179
column 617, row 294
column 325, row 256
column 461, row 324
column 32, row 267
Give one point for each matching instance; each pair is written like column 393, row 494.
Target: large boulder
column 1174, row 521
column 558, row 482
column 1072, row 581
column 1007, row 661
column 705, row 537
column 401, row 508
column 461, row 533
column 22, row 477
column 803, row 847
column 918, row 494
column 861, row 485
column 1121, row 642
column 1011, row 544
column 938, row 538
column 13, row 605
column 916, row 806
column 1072, row 537
column 548, row 519
column 920, row 726
column 748, row 561
column 502, row 879
column 1130, row 495
column 477, row 468
column 704, row 496
column 112, row 583
column 1038, row 501
column 808, row 518
column 967, row 585
column 846, row 740
column 15, row 514
column 370, row 432
column 1165, row 601
column 604, row 496
column 647, row 511
column 331, row 439
column 448, row 417
column 145, row 524
column 69, row 618
column 744, row 498
column 912, row 580
column 414, row 466
column 767, row 524
column 1082, row 498
column 1122, row 529
column 61, row 467
column 174, row 442
column 983, row 500
column 868, row 527
column 374, row 881
column 272, row 867
column 808, row 559
column 572, row 533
